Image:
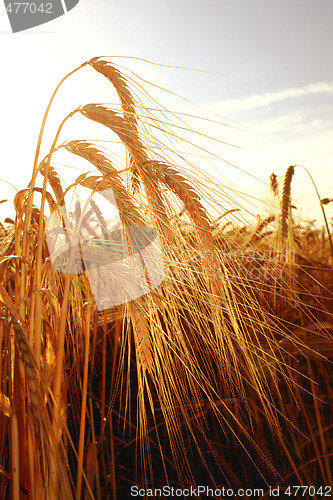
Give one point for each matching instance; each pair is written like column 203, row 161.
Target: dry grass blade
column 14, row 257
column 91, row 468
column 5, row 406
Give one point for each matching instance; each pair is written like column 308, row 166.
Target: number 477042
column 311, row 491
column 29, row 8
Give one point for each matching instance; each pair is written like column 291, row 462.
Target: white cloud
column 229, row 106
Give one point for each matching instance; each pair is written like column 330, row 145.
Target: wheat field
column 220, row 375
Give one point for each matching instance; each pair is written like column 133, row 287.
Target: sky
column 264, row 67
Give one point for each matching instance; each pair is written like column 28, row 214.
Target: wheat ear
column 141, row 334
column 52, row 460
column 173, row 179
column 127, row 103
column 274, row 184
column 54, row 182
column 129, row 137
column 120, row 126
column 125, row 96
column 285, row 202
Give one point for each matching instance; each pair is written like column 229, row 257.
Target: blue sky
column 268, row 68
